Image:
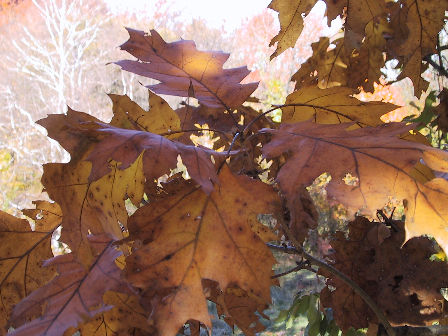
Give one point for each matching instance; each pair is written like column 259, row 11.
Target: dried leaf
column 378, row 163
column 365, row 66
column 359, row 15
column 126, row 317
column 237, row 307
column 159, row 155
column 401, row 279
column 291, row 22
column 92, row 207
column 325, row 68
column 332, row 106
column 21, row 255
column 73, row 296
column 193, row 236
column 183, row 70
column 423, row 20
column 160, row 118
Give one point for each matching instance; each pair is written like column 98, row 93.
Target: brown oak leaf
column 126, row 317
column 291, row 22
column 359, row 13
column 92, row 207
column 185, row 71
column 237, row 307
column 416, row 25
column 365, row 65
column 160, row 119
column 74, row 295
column 325, row 68
column 21, row 255
column 192, row 236
column 100, row 143
column 368, row 166
column 332, row 106
column 402, row 280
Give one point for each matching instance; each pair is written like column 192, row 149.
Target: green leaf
column 427, row 114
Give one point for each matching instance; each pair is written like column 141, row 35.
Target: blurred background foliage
column 55, row 53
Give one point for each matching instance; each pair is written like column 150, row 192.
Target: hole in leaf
column 351, row 180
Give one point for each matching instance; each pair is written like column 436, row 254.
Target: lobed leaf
column 416, row 26
column 332, row 106
column 22, row 252
column 74, row 295
column 378, row 163
column 192, row 236
column 237, row 307
column 291, row 22
column 160, row 118
column 127, row 317
column 185, row 71
column 399, row 277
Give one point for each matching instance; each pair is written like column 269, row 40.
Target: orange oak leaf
column 126, row 317
column 185, row 71
column 92, row 207
column 367, row 165
column 192, row 236
column 336, row 66
column 357, row 57
column 400, row 278
column 67, row 184
column 333, row 106
column 291, row 22
column 73, row 296
column 22, row 252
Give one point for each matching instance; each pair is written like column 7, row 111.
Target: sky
column 217, row 13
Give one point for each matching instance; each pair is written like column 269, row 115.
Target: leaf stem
column 194, row 130
column 300, row 265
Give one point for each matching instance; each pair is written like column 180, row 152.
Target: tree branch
column 416, row 331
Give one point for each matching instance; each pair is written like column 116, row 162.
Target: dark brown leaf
column 401, row 279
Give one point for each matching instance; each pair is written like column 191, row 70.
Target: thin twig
column 195, row 130
column 284, row 249
column 292, row 270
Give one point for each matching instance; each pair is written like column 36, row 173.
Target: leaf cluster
column 149, row 246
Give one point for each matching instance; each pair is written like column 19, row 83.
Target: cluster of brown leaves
column 401, row 279
column 198, row 238
column 405, row 30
